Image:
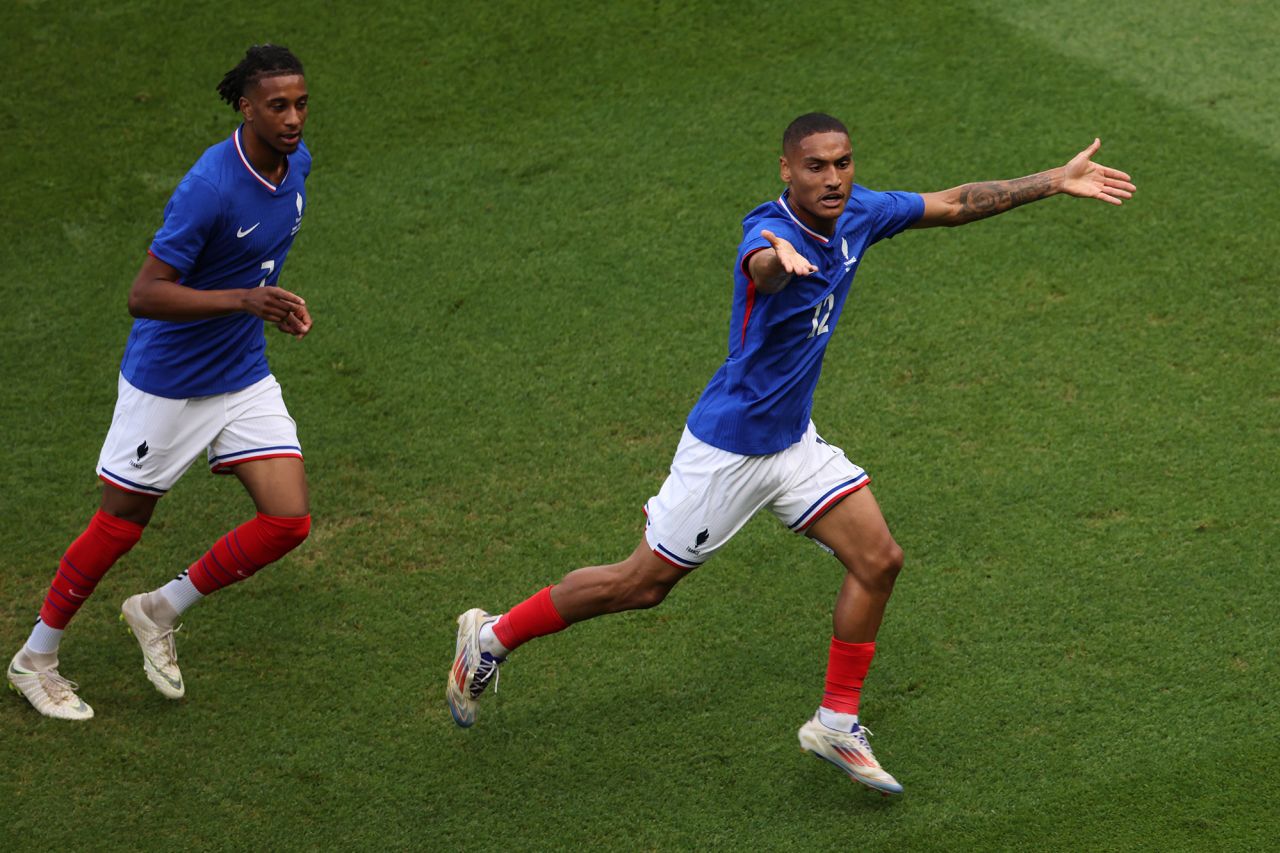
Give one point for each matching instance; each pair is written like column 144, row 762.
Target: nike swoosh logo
column 177, row 685
column 240, row 232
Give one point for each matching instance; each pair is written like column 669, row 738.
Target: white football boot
column 159, row 652
column 473, row 670
column 48, row 692
column 850, row 752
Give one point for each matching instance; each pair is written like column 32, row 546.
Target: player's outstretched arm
column 1080, row 177
column 773, row 268
column 157, row 295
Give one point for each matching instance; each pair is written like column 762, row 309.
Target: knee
column 879, row 569
column 645, row 595
column 643, row 584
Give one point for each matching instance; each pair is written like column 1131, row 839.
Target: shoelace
column 485, row 670
column 168, row 649
column 59, row 689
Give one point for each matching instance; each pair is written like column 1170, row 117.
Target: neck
column 269, row 162
column 825, row 227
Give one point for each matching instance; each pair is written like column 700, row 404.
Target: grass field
column 517, row 248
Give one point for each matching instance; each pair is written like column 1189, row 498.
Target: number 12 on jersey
column 821, row 314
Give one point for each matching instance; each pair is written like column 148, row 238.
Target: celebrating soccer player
column 195, row 378
column 749, row 443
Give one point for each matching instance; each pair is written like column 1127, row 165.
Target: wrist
column 1057, row 180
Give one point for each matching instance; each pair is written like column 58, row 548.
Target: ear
column 784, row 170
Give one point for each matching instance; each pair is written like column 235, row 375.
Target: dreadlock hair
column 261, row 60
column 809, row 124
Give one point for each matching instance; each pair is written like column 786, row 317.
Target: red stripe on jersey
column 782, row 202
column 751, row 290
column 245, row 160
column 746, row 315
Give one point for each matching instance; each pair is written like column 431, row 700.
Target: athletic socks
column 490, row 644
column 179, row 594
column 104, row 541
column 847, row 666
column 536, row 616
column 837, row 721
column 44, row 640
column 237, row 555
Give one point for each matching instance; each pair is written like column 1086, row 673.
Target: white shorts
column 153, row 440
column 711, row 493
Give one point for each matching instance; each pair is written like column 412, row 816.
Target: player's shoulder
column 764, row 211
column 868, row 202
column 213, row 164
column 300, row 161
column 772, row 216
column 865, row 197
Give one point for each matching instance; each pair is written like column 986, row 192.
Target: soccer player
column 194, row 378
column 749, row 443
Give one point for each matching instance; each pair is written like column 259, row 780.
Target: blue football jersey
column 760, row 399
column 225, row 227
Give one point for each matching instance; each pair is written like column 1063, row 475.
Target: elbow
column 137, row 305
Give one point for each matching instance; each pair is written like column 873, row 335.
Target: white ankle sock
column 837, row 721
column 181, row 593
column 44, row 640
column 489, row 641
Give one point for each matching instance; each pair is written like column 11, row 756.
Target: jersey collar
column 782, row 202
column 252, row 171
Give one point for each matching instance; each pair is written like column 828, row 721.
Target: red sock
column 237, row 555
column 104, row 541
column 847, row 665
column 536, row 616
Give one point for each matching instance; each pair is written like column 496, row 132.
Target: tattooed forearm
column 978, row 201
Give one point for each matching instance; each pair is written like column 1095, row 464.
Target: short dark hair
column 261, row 60
column 809, row 124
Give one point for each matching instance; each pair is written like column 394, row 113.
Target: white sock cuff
column 181, row 593
column 836, row 720
column 44, row 640
column 489, row 641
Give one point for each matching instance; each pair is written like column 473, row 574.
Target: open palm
column 1084, row 178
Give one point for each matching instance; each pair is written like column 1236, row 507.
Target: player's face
column 275, row 109
column 819, row 170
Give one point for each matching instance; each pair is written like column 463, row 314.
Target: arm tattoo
column 978, row 201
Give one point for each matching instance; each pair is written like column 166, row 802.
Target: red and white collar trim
column 782, row 202
column 252, row 171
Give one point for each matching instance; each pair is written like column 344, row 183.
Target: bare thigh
column 277, row 486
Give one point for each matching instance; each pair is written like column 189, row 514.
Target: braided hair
column 261, row 60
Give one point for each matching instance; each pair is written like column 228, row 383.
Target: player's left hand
column 1084, row 178
column 297, row 322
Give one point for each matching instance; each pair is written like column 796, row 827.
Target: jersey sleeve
column 190, row 218
column 752, row 242
column 892, row 212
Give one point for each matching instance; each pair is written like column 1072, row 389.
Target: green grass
column 520, row 226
